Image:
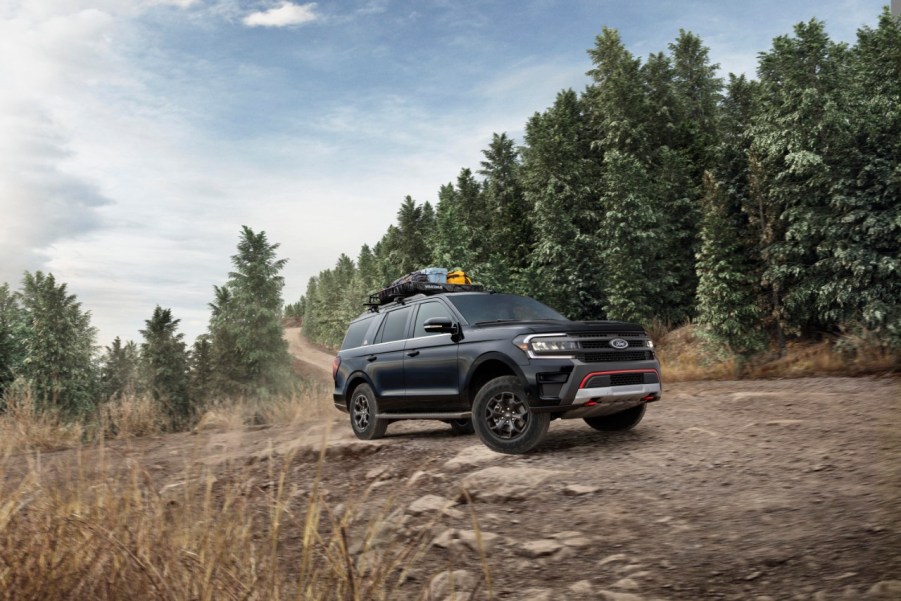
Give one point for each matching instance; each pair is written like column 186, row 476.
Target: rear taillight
column 335, row 365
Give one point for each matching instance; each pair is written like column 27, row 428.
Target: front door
column 431, row 371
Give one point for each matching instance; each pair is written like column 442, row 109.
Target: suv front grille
column 593, row 344
column 609, row 356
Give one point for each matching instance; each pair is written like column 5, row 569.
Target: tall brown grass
column 685, row 355
column 311, row 401
column 23, row 426
column 103, row 532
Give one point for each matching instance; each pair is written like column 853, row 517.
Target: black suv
column 500, row 364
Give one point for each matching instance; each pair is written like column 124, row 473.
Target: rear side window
column 356, row 334
column 395, row 325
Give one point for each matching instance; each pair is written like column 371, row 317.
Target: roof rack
column 398, row 292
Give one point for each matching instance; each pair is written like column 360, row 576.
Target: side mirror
column 440, row 325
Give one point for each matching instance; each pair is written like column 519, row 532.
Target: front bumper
column 590, row 392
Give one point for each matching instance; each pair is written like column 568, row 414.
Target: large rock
column 536, row 594
column 433, row 504
column 887, row 589
column 456, row 585
column 578, row 490
column 539, row 548
column 582, row 587
column 472, row 456
column 498, row 484
column 458, row 540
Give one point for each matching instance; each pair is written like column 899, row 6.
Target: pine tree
column 59, row 346
column 727, row 292
column 228, row 369
column 801, row 138
column 367, row 279
column 510, row 228
column 201, row 371
column 470, row 203
column 617, row 100
column 164, row 364
column 630, row 220
column 12, row 338
column 450, row 244
column 311, row 327
column 861, row 240
column 119, row 370
column 560, row 176
column 697, row 93
column 249, row 351
column 409, row 251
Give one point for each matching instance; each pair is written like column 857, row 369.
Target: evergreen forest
column 48, row 347
column 759, row 209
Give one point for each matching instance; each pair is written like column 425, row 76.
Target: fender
column 469, row 368
column 352, row 381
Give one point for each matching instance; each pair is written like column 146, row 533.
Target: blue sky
column 137, row 136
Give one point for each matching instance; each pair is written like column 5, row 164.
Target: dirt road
column 309, row 360
column 760, row 490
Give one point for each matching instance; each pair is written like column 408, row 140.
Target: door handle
column 371, row 358
column 412, row 353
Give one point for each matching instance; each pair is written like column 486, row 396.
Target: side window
column 395, row 325
column 356, row 334
column 427, row 311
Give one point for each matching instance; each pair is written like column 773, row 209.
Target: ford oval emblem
column 619, row 343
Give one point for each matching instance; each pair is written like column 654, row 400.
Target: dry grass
column 685, row 356
column 24, row 426
column 103, row 532
column 311, row 401
column 132, row 415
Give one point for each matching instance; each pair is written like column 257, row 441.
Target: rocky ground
column 779, row 489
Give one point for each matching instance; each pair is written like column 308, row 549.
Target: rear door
column 431, row 369
column 385, row 358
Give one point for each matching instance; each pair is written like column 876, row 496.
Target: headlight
column 554, row 346
column 650, row 343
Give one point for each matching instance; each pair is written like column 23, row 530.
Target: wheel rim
column 361, row 412
column 507, row 415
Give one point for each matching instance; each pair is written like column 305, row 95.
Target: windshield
column 501, row 307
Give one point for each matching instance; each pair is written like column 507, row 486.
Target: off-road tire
column 461, row 427
column 618, row 422
column 503, row 420
column 363, row 409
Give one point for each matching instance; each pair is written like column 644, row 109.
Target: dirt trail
column 315, row 363
column 751, row 490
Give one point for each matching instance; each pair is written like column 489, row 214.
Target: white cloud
column 283, row 16
column 57, row 56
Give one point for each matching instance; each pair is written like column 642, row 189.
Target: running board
column 446, row 415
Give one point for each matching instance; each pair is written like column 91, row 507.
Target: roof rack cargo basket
column 405, row 289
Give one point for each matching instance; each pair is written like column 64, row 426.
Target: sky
column 138, row 136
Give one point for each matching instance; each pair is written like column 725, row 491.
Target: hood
column 571, row 327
